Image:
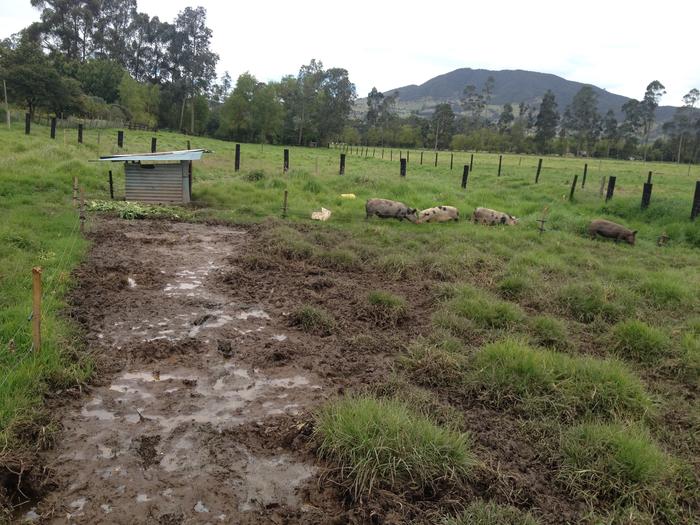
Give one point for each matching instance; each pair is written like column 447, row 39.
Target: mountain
column 512, row 85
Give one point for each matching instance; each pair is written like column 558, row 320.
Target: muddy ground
column 201, row 410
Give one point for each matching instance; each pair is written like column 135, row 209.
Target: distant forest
column 108, row 61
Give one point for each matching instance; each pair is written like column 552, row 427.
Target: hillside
column 511, row 86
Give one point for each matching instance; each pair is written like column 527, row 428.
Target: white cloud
column 619, row 46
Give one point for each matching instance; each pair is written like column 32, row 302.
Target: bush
column 639, row 341
column 381, row 444
column 490, row 513
column 555, row 384
column 613, row 462
column 313, row 320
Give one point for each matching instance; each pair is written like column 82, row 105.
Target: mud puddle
column 165, row 438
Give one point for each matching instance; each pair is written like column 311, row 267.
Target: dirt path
column 199, row 414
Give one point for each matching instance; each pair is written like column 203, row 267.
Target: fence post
column 465, row 176
column 402, row 171
column 27, row 123
column 36, row 308
column 611, row 188
column 585, row 172
column 75, row 191
column 80, row 133
column 373, row 151
column 500, row 161
column 436, row 158
column 284, row 206
column 452, row 155
column 53, row 127
column 154, row 144
column 421, row 158
column 539, row 169
column 646, row 195
column 285, row 166
column 408, row 156
column 111, row 186
column 649, row 178
column 471, row 163
column 695, row 211
column 382, row 153
column 342, row 164
column 237, row 160
column 120, row 138
column 573, row 188
column 391, row 155
column 189, row 145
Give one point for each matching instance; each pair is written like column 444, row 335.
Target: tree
column 194, row 64
column 685, row 119
column 583, row 119
column 68, row 26
column 472, row 103
column 547, row 121
column 611, row 133
column 140, row 99
column 506, row 118
column 374, row 103
column 442, row 123
column 655, row 90
column 101, row 78
column 335, row 100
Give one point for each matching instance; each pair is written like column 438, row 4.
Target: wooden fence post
column 452, row 155
column 154, row 144
column 611, row 188
column 602, row 186
column 284, row 206
column 500, row 161
column 36, row 308
column 695, row 211
column 285, row 166
column 80, row 133
column 75, row 191
column 646, row 194
column 111, row 186
column 342, row 164
column 585, row 172
column 27, row 123
column 421, row 158
column 120, row 138
column 408, row 156
column 53, row 127
column 402, row 171
column 573, row 188
column 539, row 169
column 471, row 163
column 237, row 159
column 436, row 158
column 465, row 176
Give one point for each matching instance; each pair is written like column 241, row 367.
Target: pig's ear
column 634, row 233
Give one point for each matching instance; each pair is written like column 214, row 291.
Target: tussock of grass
column 514, row 285
column 434, row 364
column 254, row 176
column 690, row 358
column 287, row 242
column 338, row 259
column 548, row 331
column 382, row 444
column 556, row 384
column 385, row 308
column 663, row 290
column 490, row 513
column 486, row 312
column 313, row 320
column 586, row 302
column 639, row 341
column 616, row 463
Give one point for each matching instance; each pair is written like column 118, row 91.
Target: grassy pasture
column 582, row 335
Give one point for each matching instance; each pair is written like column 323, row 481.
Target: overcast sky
column 617, row 45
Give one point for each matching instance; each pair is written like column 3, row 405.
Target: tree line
column 107, row 60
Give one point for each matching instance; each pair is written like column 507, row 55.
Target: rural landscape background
column 233, row 360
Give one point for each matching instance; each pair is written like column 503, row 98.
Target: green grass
column 382, row 444
column 616, row 463
column 313, row 320
column 638, row 341
column 544, row 382
column 549, row 331
column 490, row 513
column 385, row 308
column 482, row 310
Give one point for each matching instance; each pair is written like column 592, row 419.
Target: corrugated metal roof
column 187, row 154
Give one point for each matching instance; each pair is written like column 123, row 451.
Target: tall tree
column 506, row 118
column 583, row 118
column 442, row 123
column 655, row 90
column 547, row 121
column 611, row 133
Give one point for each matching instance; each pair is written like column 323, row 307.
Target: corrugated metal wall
column 160, row 183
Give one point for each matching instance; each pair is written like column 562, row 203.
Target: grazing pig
column 438, row 214
column 611, row 230
column 491, row 217
column 387, row 209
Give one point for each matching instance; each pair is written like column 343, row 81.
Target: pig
column 387, row 209
column 611, row 230
column 491, row 217
column 438, row 214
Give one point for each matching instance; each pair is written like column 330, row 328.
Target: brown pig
column 611, row 230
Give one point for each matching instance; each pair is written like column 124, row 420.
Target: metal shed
column 158, row 177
